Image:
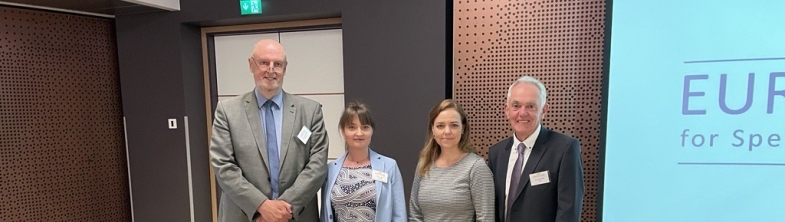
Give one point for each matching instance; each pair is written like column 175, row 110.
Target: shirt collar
column 529, row 141
column 277, row 99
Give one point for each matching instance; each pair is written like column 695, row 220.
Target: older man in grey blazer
column 268, row 147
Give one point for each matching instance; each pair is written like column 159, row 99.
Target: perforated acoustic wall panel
column 559, row 42
column 61, row 129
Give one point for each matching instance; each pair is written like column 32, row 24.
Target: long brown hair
column 431, row 150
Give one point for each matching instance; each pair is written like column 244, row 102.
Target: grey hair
column 533, row 81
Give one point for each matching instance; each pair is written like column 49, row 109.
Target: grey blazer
column 238, row 155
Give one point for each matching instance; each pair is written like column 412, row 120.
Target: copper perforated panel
column 559, row 42
column 61, row 129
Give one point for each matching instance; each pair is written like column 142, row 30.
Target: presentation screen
column 695, row 125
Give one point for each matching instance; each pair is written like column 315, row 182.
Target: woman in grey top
column 451, row 183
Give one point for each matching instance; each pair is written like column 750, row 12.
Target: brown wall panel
column 559, row 42
column 61, row 128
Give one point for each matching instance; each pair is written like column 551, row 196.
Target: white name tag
column 304, row 134
column 539, row 178
column 379, row 176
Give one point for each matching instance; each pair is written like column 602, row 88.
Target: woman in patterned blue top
column 362, row 185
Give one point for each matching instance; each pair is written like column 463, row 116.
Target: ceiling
column 102, row 8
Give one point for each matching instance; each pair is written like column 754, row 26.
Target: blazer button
column 268, row 179
column 331, row 216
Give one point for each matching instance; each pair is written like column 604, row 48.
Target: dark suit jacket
column 238, row 154
column 561, row 199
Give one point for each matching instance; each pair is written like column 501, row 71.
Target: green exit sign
column 250, row 7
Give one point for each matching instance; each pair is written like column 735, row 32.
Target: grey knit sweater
column 461, row 192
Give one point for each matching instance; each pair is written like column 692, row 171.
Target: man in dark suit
column 268, row 148
column 538, row 173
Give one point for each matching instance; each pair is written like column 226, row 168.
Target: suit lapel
column 254, row 120
column 287, row 128
column 504, row 161
column 335, row 168
column 501, row 173
column 534, row 159
column 377, row 165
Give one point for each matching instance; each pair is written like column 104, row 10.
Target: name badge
column 304, row 134
column 379, row 176
column 539, row 178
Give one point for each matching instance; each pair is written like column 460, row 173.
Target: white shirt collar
column 529, row 141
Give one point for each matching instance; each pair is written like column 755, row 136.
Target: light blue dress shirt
column 277, row 113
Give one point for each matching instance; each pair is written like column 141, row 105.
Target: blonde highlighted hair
column 431, row 150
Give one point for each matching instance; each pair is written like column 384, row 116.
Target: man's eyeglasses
column 266, row 65
column 529, row 107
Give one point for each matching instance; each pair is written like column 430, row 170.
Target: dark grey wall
column 193, row 88
column 394, row 60
column 151, row 79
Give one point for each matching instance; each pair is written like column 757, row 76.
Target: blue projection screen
column 695, row 125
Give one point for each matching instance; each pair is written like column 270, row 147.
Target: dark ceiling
column 106, row 8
